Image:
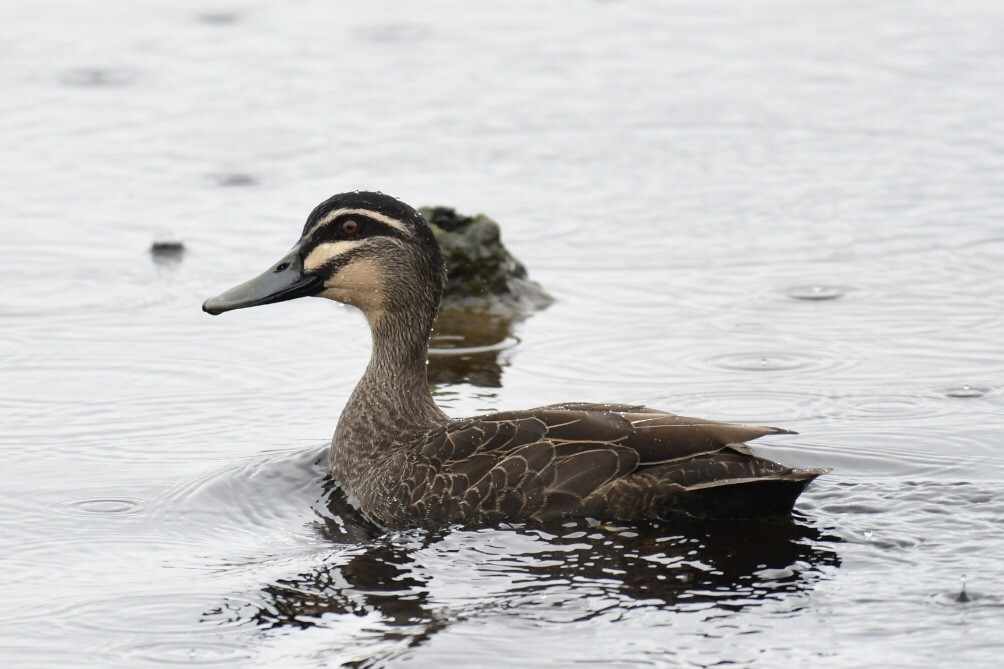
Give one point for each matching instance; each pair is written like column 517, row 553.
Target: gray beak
column 283, row 281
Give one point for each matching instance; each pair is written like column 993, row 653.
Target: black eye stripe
column 368, row 227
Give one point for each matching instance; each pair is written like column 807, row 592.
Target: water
column 761, row 212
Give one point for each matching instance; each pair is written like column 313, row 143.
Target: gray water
column 768, row 212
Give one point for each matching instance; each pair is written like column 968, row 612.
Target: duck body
column 406, row 464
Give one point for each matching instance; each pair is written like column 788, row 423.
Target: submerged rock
column 480, row 270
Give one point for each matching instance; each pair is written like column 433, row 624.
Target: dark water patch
column 98, row 77
column 235, row 180
column 415, row 585
column 393, row 33
column 452, row 361
column 218, row 18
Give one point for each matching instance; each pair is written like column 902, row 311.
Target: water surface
column 761, row 212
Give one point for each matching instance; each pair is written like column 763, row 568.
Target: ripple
column 111, row 506
column 816, row 293
column 862, row 451
column 965, row 597
column 276, row 490
column 762, row 362
column 451, row 345
column 886, row 406
column 759, row 406
column 152, row 614
column 14, row 347
column 774, row 361
column 189, row 652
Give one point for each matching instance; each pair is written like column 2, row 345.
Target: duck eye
column 350, row 228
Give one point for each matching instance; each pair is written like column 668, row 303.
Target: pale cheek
column 323, row 253
column 351, row 288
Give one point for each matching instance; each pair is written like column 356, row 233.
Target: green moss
column 478, row 265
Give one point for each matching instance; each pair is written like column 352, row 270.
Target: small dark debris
column 167, row 248
column 98, row 77
column 219, row 18
column 235, row 180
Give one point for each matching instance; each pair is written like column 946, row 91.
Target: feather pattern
column 613, row 461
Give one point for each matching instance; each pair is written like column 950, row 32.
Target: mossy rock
column 479, row 268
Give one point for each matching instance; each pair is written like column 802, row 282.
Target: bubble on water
column 816, row 292
column 962, row 597
column 767, row 362
column 966, row 391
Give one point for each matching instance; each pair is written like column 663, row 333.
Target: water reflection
column 538, row 572
column 467, row 345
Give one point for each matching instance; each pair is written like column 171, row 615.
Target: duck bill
column 283, row 281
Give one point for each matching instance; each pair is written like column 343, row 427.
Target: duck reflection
column 722, row 564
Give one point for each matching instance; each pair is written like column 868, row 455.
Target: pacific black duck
column 406, row 464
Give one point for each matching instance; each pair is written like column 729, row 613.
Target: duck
column 405, row 464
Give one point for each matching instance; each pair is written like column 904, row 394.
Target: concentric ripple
column 767, row 361
column 189, row 653
column 158, row 614
column 101, row 506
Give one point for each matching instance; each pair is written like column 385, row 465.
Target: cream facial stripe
column 323, row 253
column 376, row 216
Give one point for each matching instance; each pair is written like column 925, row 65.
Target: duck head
column 366, row 249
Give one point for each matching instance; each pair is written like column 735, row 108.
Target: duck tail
column 747, row 498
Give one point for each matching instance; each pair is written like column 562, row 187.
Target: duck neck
column 393, row 396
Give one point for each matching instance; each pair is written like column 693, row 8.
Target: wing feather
column 579, row 458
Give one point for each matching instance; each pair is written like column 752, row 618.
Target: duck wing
column 603, row 460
